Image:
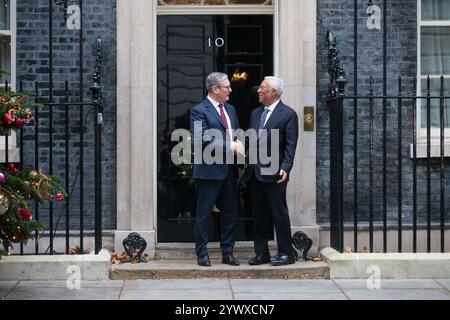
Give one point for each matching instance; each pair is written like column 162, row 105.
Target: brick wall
column 338, row 17
column 33, row 65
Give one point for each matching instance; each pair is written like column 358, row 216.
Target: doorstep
column 178, row 261
column 243, row 250
column 188, row 269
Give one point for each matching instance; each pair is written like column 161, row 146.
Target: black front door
column 189, row 48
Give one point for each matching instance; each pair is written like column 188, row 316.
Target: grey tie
column 263, row 119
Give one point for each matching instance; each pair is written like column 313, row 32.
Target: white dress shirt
column 216, row 105
column 271, row 109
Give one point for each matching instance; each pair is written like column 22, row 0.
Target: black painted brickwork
column 338, row 17
column 33, row 65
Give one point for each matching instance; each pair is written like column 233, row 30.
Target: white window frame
column 13, row 151
column 422, row 132
column 13, row 34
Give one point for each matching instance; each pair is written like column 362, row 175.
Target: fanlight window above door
column 215, row 2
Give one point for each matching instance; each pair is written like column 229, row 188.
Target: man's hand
column 284, row 176
column 238, row 148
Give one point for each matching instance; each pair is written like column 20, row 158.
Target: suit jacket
column 207, row 114
column 285, row 120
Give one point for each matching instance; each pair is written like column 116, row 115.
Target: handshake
column 237, row 148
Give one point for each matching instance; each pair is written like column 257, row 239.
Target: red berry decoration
column 12, row 167
column 59, row 197
column 25, row 214
column 7, row 119
column 19, row 123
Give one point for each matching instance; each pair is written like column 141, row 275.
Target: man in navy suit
column 216, row 182
column 268, row 190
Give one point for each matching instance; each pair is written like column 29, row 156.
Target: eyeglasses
column 222, row 87
column 265, row 89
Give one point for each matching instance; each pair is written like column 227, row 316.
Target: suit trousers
column 224, row 194
column 268, row 202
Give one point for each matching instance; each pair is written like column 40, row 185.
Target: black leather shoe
column 283, row 260
column 230, row 259
column 259, row 259
column 204, row 261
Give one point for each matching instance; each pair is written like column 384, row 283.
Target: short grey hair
column 276, row 84
column 215, row 79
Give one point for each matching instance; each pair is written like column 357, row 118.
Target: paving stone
column 389, row 284
column 63, row 284
column 283, row 286
column 176, row 295
column 31, row 293
column 290, row 296
column 444, row 283
column 176, row 285
column 5, row 287
column 398, row 294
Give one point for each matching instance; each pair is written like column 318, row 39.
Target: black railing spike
column 428, row 164
column 442, row 164
column 336, row 93
column 335, row 69
column 414, row 164
column 97, row 101
column 96, row 87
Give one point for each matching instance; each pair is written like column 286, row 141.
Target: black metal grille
column 29, row 143
column 391, row 140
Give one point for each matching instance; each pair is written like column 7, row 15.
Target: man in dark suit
column 268, row 190
column 216, row 182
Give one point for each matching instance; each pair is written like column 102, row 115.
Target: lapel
column 275, row 115
column 214, row 112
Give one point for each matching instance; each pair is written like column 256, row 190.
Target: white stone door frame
column 295, row 62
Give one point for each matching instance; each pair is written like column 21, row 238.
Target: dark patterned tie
column 222, row 115
column 263, row 119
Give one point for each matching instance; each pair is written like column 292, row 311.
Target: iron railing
column 60, row 141
column 382, row 201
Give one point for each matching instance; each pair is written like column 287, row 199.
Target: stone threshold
column 188, row 269
column 397, row 266
column 186, row 251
